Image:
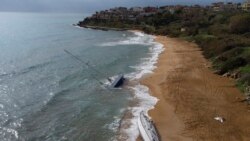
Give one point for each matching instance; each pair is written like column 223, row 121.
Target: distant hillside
column 223, row 33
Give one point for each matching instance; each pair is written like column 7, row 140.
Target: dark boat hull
column 118, row 82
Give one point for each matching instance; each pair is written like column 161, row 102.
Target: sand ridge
column 190, row 96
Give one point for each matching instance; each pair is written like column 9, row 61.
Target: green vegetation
column 245, row 69
column 240, row 23
column 223, row 36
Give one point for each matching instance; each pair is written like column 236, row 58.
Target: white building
column 246, row 5
column 137, row 9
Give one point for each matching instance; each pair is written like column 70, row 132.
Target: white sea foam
column 146, row 102
column 138, row 39
column 138, row 33
column 108, row 82
column 114, row 125
column 147, row 64
column 141, row 92
column 12, row 129
column 77, row 26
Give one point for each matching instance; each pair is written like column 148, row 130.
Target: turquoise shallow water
column 46, row 95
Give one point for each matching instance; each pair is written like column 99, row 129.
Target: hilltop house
column 137, row 9
column 246, row 5
column 218, row 6
column 150, row 9
column 221, row 6
column 147, row 11
column 171, row 8
column 232, row 6
column 119, row 10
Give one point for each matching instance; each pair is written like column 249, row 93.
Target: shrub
column 240, row 23
column 217, row 29
column 203, row 38
column 231, row 64
column 149, row 29
column 245, row 69
column 245, row 79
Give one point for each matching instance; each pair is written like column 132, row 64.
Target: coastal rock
column 247, row 91
column 226, row 74
column 216, row 72
column 235, row 75
column 183, row 29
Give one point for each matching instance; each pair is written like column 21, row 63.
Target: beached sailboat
column 118, row 82
column 147, row 128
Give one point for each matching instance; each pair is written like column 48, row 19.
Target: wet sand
column 190, row 96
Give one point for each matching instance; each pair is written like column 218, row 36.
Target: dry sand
column 190, row 96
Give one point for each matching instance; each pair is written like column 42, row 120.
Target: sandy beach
column 191, row 96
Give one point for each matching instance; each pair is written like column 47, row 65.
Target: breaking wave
column 138, row 39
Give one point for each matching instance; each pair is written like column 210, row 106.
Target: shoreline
column 101, row 28
column 190, row 96
column 142, row 99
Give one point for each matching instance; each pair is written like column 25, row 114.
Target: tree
column 239, row 24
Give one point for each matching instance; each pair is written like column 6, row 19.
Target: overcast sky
column 88, row 6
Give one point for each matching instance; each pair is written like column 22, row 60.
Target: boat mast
column 87, row 64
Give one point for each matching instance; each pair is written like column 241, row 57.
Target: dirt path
column 191, row 96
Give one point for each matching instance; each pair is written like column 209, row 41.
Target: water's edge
column 143, row 100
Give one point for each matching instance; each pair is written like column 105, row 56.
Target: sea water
column 46, row 95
